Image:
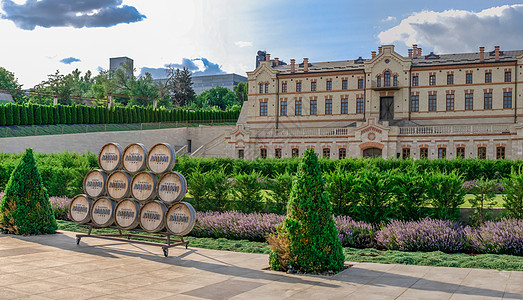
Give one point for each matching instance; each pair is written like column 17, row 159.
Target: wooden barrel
column 161, row 158
column 118, row 185
column 180, row 218
column 126, row 214
column 102, row 212
column 172, row 187
column 152, row 216
column 143, row 186
column 110, row 157
column 80, row 209
column 134, row 158
column 94, row 183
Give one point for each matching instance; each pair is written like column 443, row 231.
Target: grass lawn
column 499, row 199
column 437, row 258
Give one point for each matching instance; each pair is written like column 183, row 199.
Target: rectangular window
column 487, row 101
column 329, row 85
column 378, row 81
column 432, row 80
column 507, row 99
column 314, row 107
column 450, row 78
column 482, row 152
column 423, row 152
column 360, row 83
column 405, row 153
column 328, row 106
column 433, row 102
column 297, row 108
column 343, row 153
column 508, row 76
column 500, row 152
column 298, row 86
column 386, row 79
column 313, row 86
column 450, row 101
column 414, row 103
column 283, row 108
column 442, row 152
column 263, row 108
column 415, row 81
column 359, row 105
column 395, row 80
column 488, row 77
column 277, row 153
column 468, row 78
column 344, row 84
column 295, row 152
column 266, row 88
column 345, row 106
column 284, row 87
column 460, row 152
column 240, row 153
column 263, row 153
column 469, row 101
column 326, row 153
column 261, row 88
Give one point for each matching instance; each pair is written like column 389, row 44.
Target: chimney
column 481, row 54
column 305, row 65
column 415, row 51
column 496, row 52
column 276, row 61
column 419, row 51
column 379, row 49
column 293, row 66
column 373, row 54
column 410, row 53
column 267, row 57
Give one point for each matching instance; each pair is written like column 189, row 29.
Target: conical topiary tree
column 307, row 239
column 25, row 207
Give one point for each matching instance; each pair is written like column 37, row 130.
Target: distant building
column 5, row 97
column 116, row 62
column 207, row 82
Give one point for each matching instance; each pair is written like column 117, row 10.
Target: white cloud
column 460, row 30
column 242, row 44
column 389, row 18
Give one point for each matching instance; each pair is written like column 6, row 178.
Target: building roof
column 425, row 60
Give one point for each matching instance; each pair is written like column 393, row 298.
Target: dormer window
column 359, row 60
column 432, row 56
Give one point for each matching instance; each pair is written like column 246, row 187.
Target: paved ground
column 54, row 267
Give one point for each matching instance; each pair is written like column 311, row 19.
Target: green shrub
column 280, row 188
column 341, row 187
column 197, row 182
column 513, row 199
column 410, row 194
column 307, row 240
column 484, row 191
column 218, row 186
column 25, row 207
column 247, row 192
column 376, row 193
column 446, row 193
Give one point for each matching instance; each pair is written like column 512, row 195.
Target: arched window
column 395, row 82
column 378, row 81
column 386, row 78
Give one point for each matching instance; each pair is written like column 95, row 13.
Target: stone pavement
column 54, row 267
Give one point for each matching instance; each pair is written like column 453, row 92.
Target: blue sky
column 40, row 37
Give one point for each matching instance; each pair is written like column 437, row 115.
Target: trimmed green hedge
column 35, row 114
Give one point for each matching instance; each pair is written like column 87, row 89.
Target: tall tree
column 9, row 82
column 240, row 91
column 181, row 87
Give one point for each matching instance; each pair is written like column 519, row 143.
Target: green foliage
column 376, row 195
column 218, row 185
column 307, row 239
column 25, row 207
column 446, row 193
column 9, row 82
column 342, row 187
column 280, row 188
column 247, row 191
column 2, row 115
column 484, row 191
column 410, row 193
column 16, row 114
column 513, row 188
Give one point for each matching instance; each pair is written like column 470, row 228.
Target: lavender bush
column 422, row 235
column 60, row 206
column 502, row 237
column 357, row 234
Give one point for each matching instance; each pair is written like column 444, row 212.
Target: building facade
column 202, row 83
column 435, row 106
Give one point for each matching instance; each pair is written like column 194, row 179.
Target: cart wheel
column 78, row 240
column 165, row 252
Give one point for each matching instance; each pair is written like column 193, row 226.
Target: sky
column 38, row 37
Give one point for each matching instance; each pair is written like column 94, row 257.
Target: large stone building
column 434, row 106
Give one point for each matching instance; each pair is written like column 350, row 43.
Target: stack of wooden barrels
column 145, row 193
